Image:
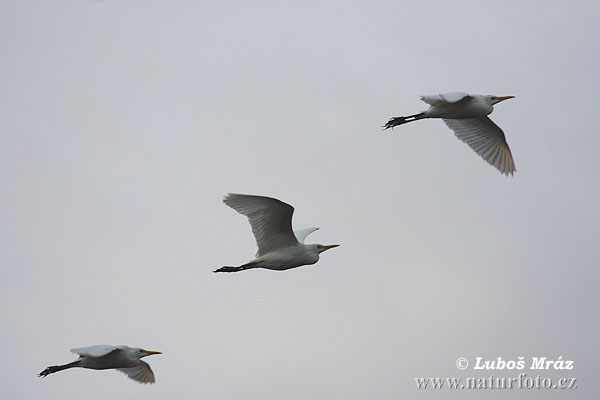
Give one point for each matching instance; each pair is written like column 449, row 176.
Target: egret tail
column 56, row 368
column 394, row 121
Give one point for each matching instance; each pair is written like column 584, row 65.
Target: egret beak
column 500, row 98
column 330, row 246
column 149, row 352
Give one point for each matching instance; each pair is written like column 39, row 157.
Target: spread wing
column 487, row 139
column 270, row 219
column 141, row 373
column 452, row 97
column 95, row 351
column 301, row 234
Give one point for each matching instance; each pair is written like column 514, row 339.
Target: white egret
column 279, row 248
column 103, row 356
column 466, row 114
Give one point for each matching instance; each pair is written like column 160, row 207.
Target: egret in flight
column 279, row 248
column 466, row 114
column 103, row 356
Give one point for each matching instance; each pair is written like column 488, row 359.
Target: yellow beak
column 505, row 97
column 149, row 352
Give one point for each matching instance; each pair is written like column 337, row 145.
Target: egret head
column 145, row 353
column 498, row 99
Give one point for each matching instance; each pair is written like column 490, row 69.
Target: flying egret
column 278, row 247
column 466, row 114
column 104, row 356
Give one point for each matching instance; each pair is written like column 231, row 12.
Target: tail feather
column 395, row 121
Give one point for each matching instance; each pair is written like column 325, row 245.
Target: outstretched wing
column 301, row 234
column 452, row 97
column 487, row 139
column 270, row 219
column 95, row 351
column 141, row 373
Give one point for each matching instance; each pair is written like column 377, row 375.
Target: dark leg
column 402, row 120
column 236, row 269
column 56, row 368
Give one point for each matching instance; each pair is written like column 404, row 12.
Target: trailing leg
column 56, row 368
column 250, row 265
column 394, row 121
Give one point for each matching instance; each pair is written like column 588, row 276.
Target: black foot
column 394, row 122
column 47, row 372
column 250, row 265
column 229, row 269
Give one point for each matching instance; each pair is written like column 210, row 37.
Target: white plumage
column 301, row 234
column 466, row 114
column 279, row 248
column 98, row 350
column 103, row 356
column 451, row 97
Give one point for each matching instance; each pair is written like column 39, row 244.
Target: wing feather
column 486, row 139
column 98, row 350
column 301, row 234
column 452, row 97
column 270, row 219
column 141, row 373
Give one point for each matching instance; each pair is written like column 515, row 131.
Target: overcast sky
column 124, row 123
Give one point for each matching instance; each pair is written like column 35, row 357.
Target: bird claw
column 227, row 269
column 394, row 121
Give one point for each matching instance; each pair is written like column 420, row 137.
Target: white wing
column 95, row 351
column 301, row 234
column 487, row 139
column 452, row 97
column 142, row 373
column 270, row 219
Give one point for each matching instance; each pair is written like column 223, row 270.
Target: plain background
column 125, row 122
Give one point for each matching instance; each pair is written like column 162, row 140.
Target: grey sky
column 125, row 123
